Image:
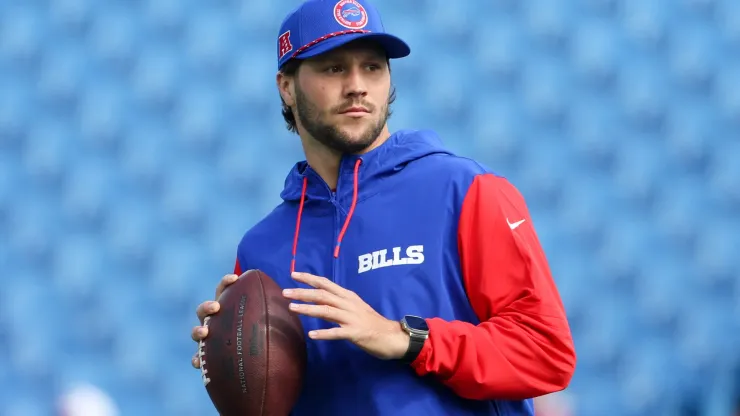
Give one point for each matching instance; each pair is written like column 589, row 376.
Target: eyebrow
column 370, row 56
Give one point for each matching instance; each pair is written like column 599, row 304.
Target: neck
column 325, row 161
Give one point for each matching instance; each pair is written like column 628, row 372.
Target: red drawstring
column 351, row 209
column 346, row 222
column 298, row 223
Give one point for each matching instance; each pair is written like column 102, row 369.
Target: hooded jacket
column 416, row 230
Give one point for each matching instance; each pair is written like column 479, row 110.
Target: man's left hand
column 358, row 322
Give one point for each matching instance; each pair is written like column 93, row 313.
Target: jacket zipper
column 337, row 225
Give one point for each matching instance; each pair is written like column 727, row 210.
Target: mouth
column 355, row 111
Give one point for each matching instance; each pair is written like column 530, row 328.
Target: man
column 422, row 287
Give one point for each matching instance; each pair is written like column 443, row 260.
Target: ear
column 285, row 87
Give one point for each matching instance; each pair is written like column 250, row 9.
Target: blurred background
column 140, row 139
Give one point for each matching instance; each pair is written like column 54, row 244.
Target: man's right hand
column 208, row 308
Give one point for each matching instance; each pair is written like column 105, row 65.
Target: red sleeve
column 523, row 346
column 237, row 268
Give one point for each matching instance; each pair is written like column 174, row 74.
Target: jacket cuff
column 420, row 363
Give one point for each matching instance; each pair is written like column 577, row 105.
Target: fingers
column 207, row 308
column 326, row 312
column 332, row 334
column 225, row 281
column 201, row 332
column 322, row 283
column 198, row 333
column 318, row 296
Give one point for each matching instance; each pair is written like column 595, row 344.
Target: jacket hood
column 401, row 148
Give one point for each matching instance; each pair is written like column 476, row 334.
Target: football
column 254, row 357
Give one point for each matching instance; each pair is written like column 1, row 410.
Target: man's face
column 341, row 97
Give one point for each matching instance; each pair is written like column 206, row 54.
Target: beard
column 330, row 135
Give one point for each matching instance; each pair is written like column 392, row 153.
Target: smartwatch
column 418, row 331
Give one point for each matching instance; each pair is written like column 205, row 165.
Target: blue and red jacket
column 414, row 229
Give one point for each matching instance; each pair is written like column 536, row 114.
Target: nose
column 356, row 85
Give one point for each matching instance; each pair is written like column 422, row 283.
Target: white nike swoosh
column 516, row 224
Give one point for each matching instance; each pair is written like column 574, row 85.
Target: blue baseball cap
column 318, row 26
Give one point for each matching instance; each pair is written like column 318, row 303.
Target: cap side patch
column 284, row 45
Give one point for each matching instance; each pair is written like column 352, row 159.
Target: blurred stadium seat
column 139, row 140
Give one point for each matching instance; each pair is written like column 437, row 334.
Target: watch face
column 417, row 323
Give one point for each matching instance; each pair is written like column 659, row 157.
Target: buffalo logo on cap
column 350, row 14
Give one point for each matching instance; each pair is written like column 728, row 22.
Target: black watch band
column 418, row 331
column 415, row 346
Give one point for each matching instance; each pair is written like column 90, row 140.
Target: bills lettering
column 379, row 259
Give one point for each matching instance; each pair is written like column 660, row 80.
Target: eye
column 333, row 69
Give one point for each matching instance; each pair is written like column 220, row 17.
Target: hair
column 291, row 69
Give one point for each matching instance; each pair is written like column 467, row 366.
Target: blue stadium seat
column 649, row 364
column 498, row 50
column 210, row 38
column 165, row 16
column 63, row 68
column 155, row 75
column 34, row 222
column 77, row 272
column 596, row 395
column 114, row 34
column 716, row 251
column 135, row 356
column 548, row 21
column 495, row 134
column 131, row 231
column 643, row 92
column 707, row 337
column 646, row 22
column 10, row 169
column 689, row 131
column 141, row 153
column 596, row 43
column 185, row 195
column 46, row 151
column 174, row 268
column 728, row 13
column 727, row 88
column 27, row 403
column 260, row 23
column 16, row 103
column 247, row 88
column 695, row 61
column 103, row 113
column 595, row 133
column 71, row 14
column 239, row 161
column 88, row 191
column 606, row 331
column 545, row 82
column 22, row 29
column 657, row 295
column 199, row 118
column 678, row 210
column 724, row 171
column 125, row 298
column 640, row 164
column 544, row 172
column 452, row 23
column 585, row 207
